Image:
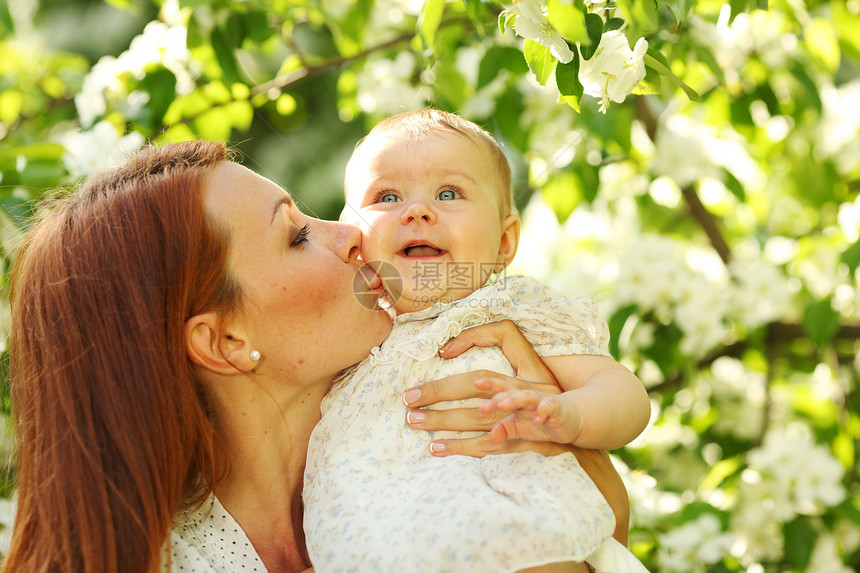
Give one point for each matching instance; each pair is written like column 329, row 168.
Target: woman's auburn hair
column 113, row 429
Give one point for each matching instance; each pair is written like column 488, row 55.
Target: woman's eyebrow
column 285, row 200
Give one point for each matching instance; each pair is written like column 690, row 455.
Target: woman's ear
column 509, row 243
column 210, row 346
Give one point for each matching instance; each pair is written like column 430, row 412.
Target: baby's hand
column 535, row 416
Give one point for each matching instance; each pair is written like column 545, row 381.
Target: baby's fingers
column 494, row 385
column 505, row 430
column 547, row 408
column 511, row 400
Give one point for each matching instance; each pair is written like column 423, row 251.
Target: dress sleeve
column 556, row 325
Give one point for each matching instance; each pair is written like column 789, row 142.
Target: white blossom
column 836, row 133
column 820, row 482
column 531, row 23
column 826, row 558
column 762, row 499
column 647, row 502
column 614, row 70
column 622, row 179
column 758, row 542
column 849, row 220
column 813, row 474
column 385, row 86
column 682, row 152
column 760, row 293
column 102, row 147
column 738, row 394
column 158, row 44
column 693, row 545
column 8, row 508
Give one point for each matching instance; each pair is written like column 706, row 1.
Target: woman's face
column 296, row 274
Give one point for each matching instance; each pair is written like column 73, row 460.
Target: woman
column 175, row 326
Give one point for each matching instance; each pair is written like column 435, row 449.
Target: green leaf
column 160, row 84
column 226, row 56
column 733, row 185
column 450, row 85
column 706, row 56
column 429, row 20
column 505, row 18
column 563, row 192
column 616, row 324
column 666, row 351
column 680, row 9
column 567, row 20
column 658, row 66
column 126, row 5
column 500, row 58
column 594, row 25
column 720, row 471
column 738, row 7
column 613, row 24
column 314, row 40
column 214, row 124
column 539, row 60
column 234, row 29
column 256, row 26
column 510, row 108
column 800, row 538
column 851, row 257
column 642, row 15
column 241, row 114
column 567, row 80
column 821, row 40
column 821, row 321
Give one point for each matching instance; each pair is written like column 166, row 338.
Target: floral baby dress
column 376, row 500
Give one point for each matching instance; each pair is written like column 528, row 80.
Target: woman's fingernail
column 444, row 347
column 415, row 416
column 437, row 448
column 412, row 395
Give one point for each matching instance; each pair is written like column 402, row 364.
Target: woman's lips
column 370, row 277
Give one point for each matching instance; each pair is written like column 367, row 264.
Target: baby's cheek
column 371, row 245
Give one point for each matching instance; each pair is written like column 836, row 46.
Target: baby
column 431, row 193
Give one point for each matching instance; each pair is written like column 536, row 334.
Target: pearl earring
column 255, row 355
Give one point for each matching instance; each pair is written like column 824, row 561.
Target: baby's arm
column 602, row 405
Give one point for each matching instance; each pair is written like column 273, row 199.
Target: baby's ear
column 509, row 242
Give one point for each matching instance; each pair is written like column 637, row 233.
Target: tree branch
column 280, row 82
column 776, row 333
column 708, row 223
column 699, row 212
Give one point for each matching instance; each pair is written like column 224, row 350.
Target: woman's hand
column 532, row 374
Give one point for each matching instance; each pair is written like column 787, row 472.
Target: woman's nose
column 343, row 239
column 418, row 210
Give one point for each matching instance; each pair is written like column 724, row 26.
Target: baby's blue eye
column 389, row 198
column 447, row 195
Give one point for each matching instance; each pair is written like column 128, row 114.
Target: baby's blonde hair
column 428, row 121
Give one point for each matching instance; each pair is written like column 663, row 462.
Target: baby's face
column 430, row 208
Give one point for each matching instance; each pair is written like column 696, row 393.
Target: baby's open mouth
column 421, row 251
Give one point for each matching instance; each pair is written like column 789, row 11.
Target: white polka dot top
column 210, row 541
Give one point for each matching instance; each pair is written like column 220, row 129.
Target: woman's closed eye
column 302, row 236
column 449, row 194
